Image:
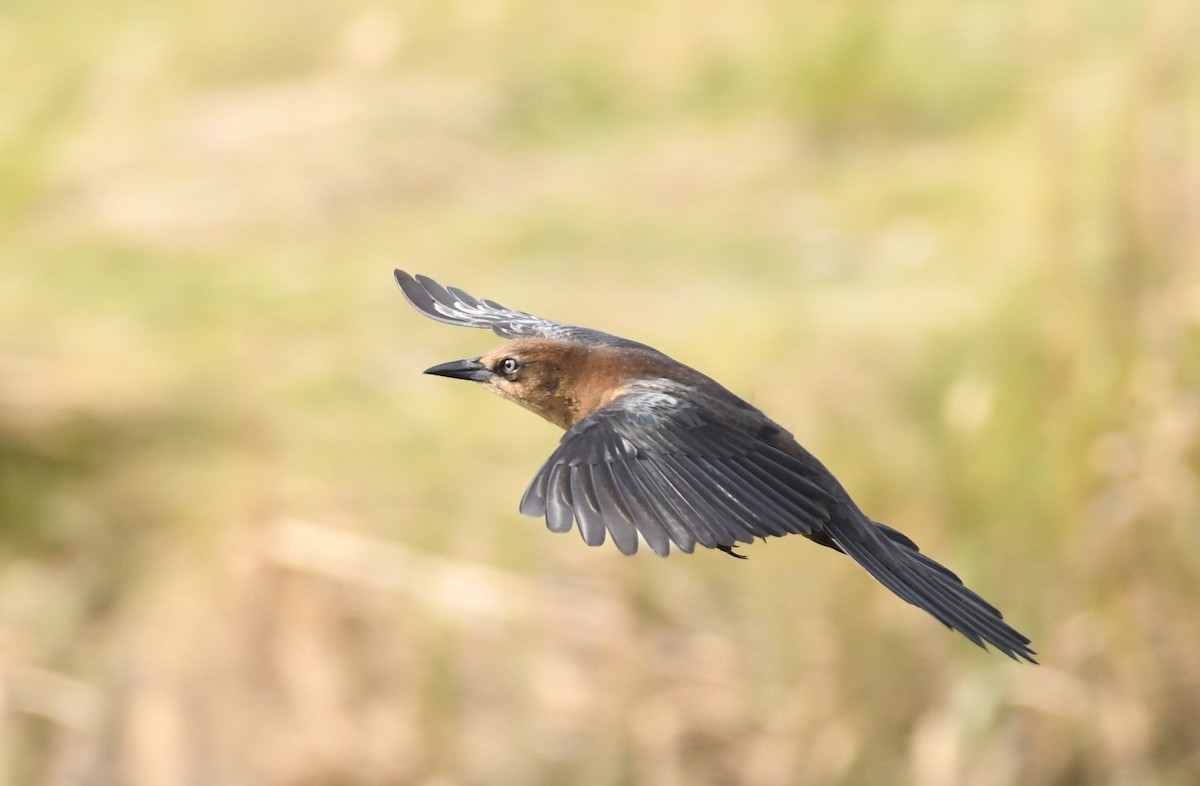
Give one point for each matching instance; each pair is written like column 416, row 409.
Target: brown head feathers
column 565, row 381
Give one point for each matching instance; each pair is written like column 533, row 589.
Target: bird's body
column 656, row 451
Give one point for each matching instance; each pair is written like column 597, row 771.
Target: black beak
column 468, row 368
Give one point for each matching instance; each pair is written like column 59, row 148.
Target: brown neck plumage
column 565, row 382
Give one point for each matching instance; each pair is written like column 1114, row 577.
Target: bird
column 655, row 451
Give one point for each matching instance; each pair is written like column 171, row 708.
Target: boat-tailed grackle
column 658, row 452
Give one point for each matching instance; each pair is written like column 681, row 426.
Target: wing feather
column 738, row 523
column 666, row 488
column 797, row 491
column 454, row 306
column 775, row 495
column 744, row 499
column 587, row 510
column 612, row 508
column 533, row 502
column 656, row 519
column 559, row 514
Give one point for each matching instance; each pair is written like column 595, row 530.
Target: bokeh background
column 954, row 246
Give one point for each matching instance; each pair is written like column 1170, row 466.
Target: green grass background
column 954, row 246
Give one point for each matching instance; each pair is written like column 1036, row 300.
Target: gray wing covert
column 656, row 465
column 455, row 307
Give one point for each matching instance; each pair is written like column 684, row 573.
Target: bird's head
column 562, row 381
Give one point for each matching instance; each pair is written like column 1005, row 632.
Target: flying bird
column 656, row 451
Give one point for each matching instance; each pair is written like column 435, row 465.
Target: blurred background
column 954, row 246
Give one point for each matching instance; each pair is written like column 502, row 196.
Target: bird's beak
column 468, row 368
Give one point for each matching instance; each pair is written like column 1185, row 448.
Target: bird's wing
column 667, row 467
column 455, row 307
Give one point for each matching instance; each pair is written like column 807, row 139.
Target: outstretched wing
column 684, row 470
column 455, row 307
column 665, row 467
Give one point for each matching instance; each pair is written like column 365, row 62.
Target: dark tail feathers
column 896, row 562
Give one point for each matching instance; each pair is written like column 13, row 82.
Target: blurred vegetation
column 955, row 246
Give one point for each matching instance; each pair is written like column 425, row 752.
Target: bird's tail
column 896, row 562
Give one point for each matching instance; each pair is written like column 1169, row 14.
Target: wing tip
column 408, row 287
column 415, row 293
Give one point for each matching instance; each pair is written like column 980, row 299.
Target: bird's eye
column 509, row 366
